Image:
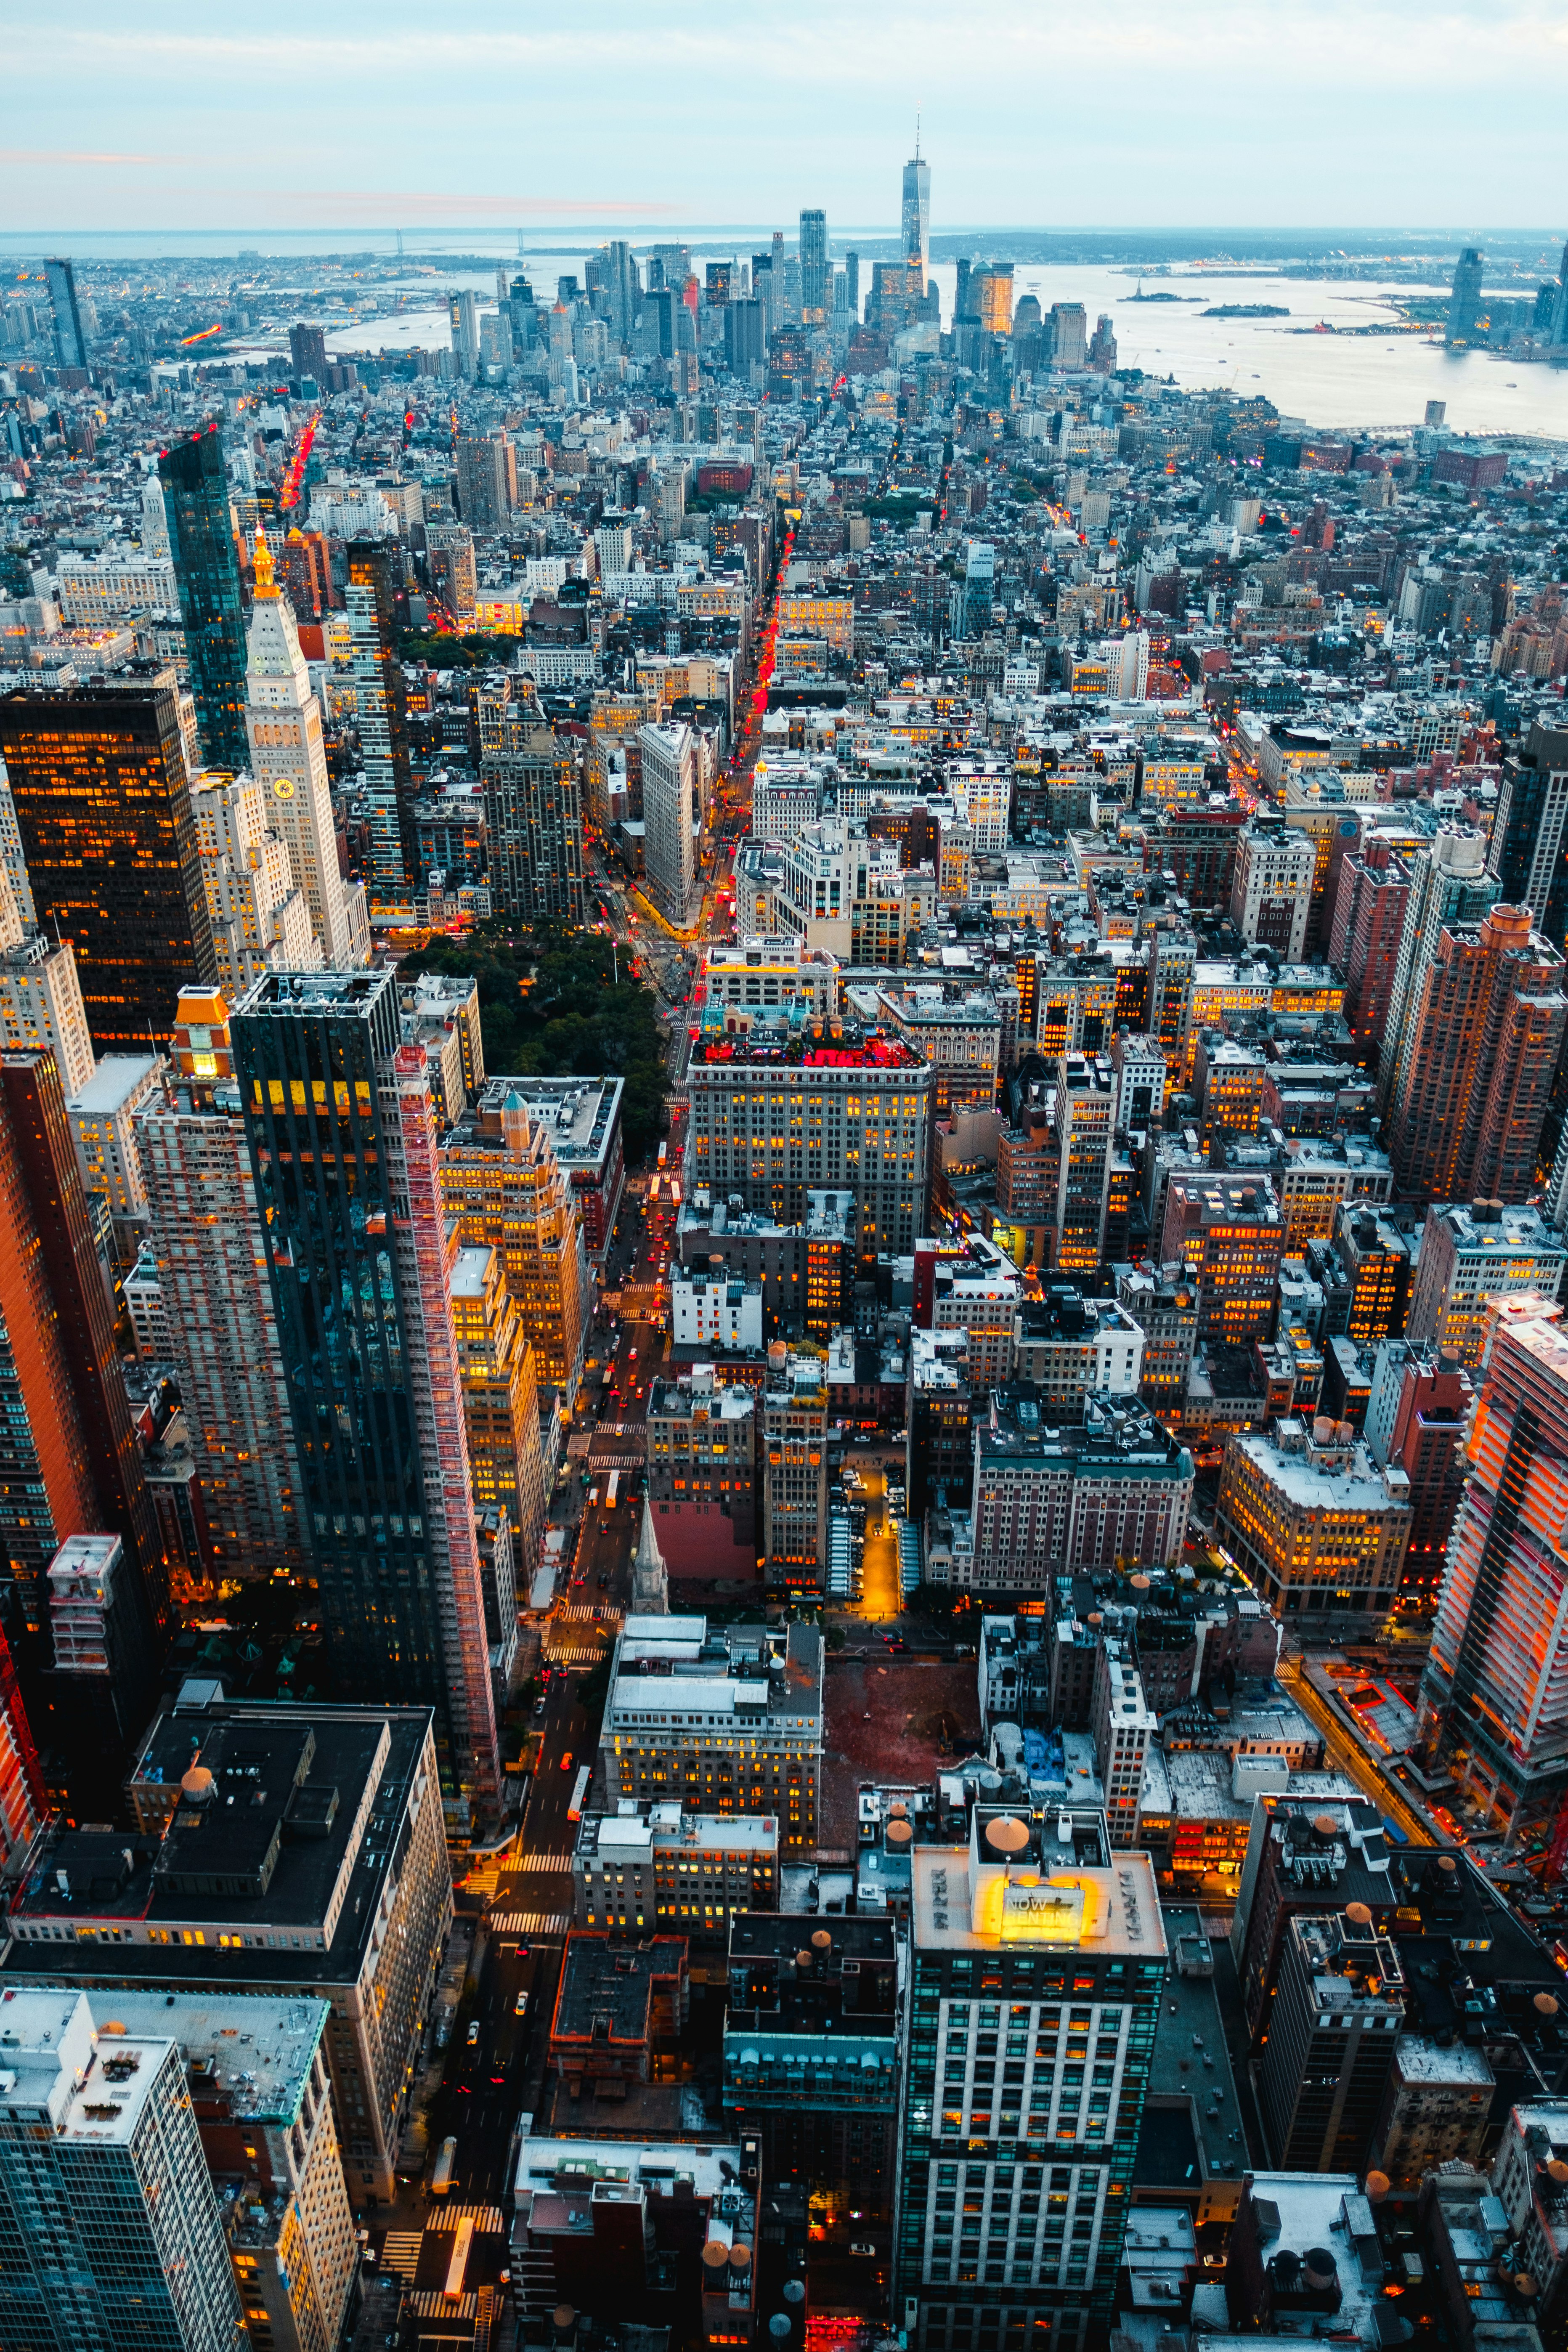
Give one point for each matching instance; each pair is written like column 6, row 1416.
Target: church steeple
column 650, row 1584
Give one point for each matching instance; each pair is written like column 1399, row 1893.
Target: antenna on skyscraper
column 917, row 137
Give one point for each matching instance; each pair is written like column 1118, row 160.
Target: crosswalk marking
column 530, row 1923
column 482, row 1882
column 542, row 1862
column 582, row 1612
column 400, row 2251
column 573, row 1653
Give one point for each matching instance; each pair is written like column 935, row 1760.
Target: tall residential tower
column 287, row 757
column 341, row 1139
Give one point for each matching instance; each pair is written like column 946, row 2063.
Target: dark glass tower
column 70, row 343
column 207, row 561
column 97, row 775
column 342, row 1149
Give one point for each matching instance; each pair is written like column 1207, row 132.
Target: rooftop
column 1192, row 2092
column 80, row 2083
column 674, row 1671
column 1499, row 1228
column 655, row 2165
column 579, row 1114
column 1343, row 1477
column 772, row 1044
column 283, row 994
column 839, row 1978
column 698, row 1399
column 118, row 1080
column 607, row 1988
column 635, row 1831
column 970, row 1898
column 282, row 1826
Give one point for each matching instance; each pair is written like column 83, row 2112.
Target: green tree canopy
column 550, row 1007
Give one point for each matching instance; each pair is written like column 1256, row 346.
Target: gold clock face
column 283, row 786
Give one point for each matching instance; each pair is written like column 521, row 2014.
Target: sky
column 1159, row 113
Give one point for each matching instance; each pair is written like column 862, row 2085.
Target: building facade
column 533, row 814
column 1470, row 1255
column 104, row 808
column 1032, row 2010
column 660, row 1869
column 212, row 606
column 672, row 811
column 1316, row 1523
column 381, row 709
column 354, row 1912
column 773, row 1118
column 218, row 1321
column 1494, row 1696
column 502, row 1180
column 343, row 1150
column 289, row 760
column 727, row 1720
column 702, row 1445
column 110, row 2205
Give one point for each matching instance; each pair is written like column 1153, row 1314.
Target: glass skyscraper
column 1037, row 1962
column 343, row 1150
column 815, row 275
column 70, row 341
column 207, row 564
column 98, row 781
column 916, row 214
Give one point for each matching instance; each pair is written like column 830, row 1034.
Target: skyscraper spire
column 650, row 1585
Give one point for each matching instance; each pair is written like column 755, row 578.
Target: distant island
column 1247, row 310
column 1141, row 296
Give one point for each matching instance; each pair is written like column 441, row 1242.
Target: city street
column 521, row 1900
column 1346, row 1755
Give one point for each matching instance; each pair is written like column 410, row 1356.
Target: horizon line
column 892, row 228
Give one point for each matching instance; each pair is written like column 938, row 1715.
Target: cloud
column 33, row 156
column 1035, row 111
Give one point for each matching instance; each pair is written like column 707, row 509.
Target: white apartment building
column 1093, row 1349
column 812, row 898
column 786, row 796
column 94, row 592
column 982, row 793
column 102, row 1115
column 763, row 973
column 41, row 1008
column 1125, row 1724
column 718, row 1311
column 289, row 760
column 1271, row 895
column 728, row 1720
column 99, row 2149
column 671, row 815
column 259, row 916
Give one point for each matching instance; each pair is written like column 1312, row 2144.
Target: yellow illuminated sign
column 1024, row 1908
